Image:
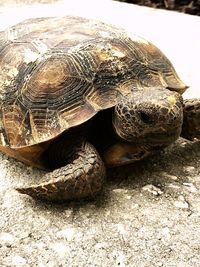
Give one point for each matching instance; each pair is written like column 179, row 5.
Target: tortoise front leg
column 191, row 119
column 82, row 176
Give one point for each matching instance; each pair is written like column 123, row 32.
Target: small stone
column 120, row 227
column 173, row 186
column 165, row 231
column 183, row 144
column 67, row 233
column 119, row 191
column 190, row 187
column 122, row 231
column 169, row 176
column 60, row 248
column 6, row 239
column 120, row 258
column 134, row 206
column 128, row 197
column 181, row 203
column 40, row 245
column 181, row 198
column 189, row 169
column 99, row 246
column 18, row 260
column 152, row 189
column 68, row 213
column 164, row 221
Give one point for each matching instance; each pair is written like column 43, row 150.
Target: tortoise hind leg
column 83, row 176
column 191, row 119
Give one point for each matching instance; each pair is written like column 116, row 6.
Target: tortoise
column 79, row 95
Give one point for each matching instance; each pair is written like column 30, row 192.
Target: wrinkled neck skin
column 145, row 121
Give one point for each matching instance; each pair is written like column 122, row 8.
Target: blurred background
column 185, row 6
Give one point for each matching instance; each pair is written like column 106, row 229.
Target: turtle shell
column 58, row 72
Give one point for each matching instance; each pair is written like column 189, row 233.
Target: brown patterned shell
column 56, row 73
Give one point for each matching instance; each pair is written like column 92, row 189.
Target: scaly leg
column 191, row 119
column 82, row 176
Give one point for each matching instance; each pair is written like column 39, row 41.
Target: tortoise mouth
column 157, row 139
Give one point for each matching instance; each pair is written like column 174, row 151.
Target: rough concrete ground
column 148, row 214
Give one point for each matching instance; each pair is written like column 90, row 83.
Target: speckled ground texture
column 148, row 214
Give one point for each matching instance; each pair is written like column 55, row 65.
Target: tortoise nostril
column 145, row 117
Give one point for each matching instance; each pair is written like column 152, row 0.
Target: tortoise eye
column 145, row 117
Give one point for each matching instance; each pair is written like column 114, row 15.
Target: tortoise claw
column 125, row 153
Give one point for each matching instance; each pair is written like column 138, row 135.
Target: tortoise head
column 150, row 117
